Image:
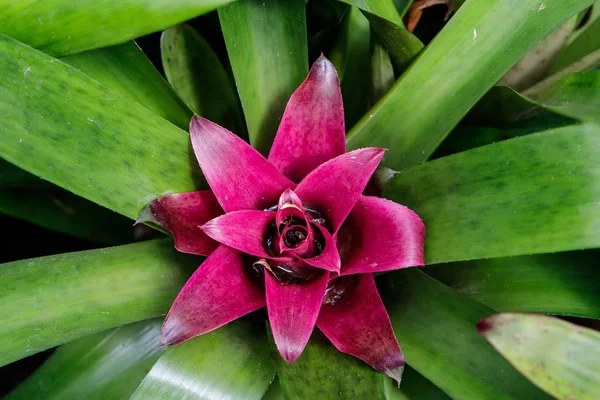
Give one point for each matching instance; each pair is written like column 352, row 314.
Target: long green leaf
column 402, row 45
column 505, row 109
column 65, row 212
column 350, row 55
column 479, row 44
column 106, row 365
column 382, row 72
column 533, row 194
column 435, row 327
column 339, row 376
column 583, row 42
column 381, row 8
column 62, row 27
column 69, row 129
column 230, row 363
column 51, row 300
column 274, row 391
column 576, row 95
column 199, row 78
column 268, row 51
column 561, row 358
column 562, row 284
column 126, row 69
column 345, row 377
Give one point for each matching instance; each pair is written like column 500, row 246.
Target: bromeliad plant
column 312, row 239
column 287, row 205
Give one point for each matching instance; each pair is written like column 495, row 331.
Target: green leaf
column 274, row 391
column 350, row 55
column 479, row 44
column 532, row 194
column 435, row 327
column 561, row 358
column 589, row 62
column 323, row 372
column 382, row 73
column 505, row 109
column 534, row 65
column 69, row 129
column 382, row 8
column 198, row 76
column 106, row 365
column 65, row 212
column 232, row 362
column 387, row 24
column 576, row 95
column 126, row 70
column 51, row 300
column 583, row 42
column 402, row 6
column 268, row 51
column 61, row 27
column 562, row 284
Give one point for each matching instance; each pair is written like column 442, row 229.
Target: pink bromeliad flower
column 292, row 232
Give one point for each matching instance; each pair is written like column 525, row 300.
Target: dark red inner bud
column 299, row 238
column 294, row 235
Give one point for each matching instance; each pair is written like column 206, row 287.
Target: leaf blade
column 86, row 132
column 435, row 327
column 547, row 202
column 559, row 357
column 252, row 30
column 198, row 77
column 560, row 284
column 231, row 362
column 126, row 69
column 121, row 356
column 52, row 300
column 440, row 82
column 34, row 23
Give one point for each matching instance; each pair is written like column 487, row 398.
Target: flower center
column 294, row 236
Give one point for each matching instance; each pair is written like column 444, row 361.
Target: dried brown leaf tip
column 412, row 17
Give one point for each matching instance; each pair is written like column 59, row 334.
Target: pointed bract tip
column 485, row 325
column 395, row 374
column 323, row 68
column 195, row 123
column 290, row 355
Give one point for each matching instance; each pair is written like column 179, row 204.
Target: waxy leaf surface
column 267, row 48
column 561, row 358
column 196, row 73
column 126, row 69
column 230, row 363
column 533, row 194
column 51, row 300
column 62, row 27
column 560, row 284
column 69, row 129
column 477, row 46
column 106, row 365
column 436, row 328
